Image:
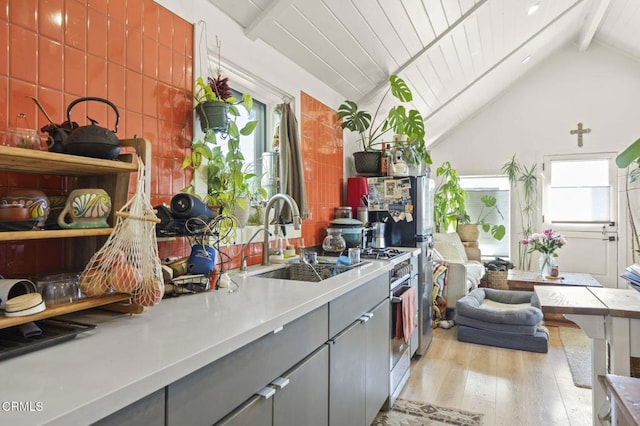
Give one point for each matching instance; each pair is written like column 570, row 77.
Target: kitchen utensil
column 24, row 137
column 357, row 191
column 343, row 212
column 378, row 235
column 57, row 132
column 363, row 214
column 86, row 208
column 93, row 140
column 354, row 255
column 352, row 236
column 334, row 242
column 60, row 288
column 344, row 222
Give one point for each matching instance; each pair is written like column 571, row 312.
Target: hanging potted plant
column 399, row 120
column 214, row 101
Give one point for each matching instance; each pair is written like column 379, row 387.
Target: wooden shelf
column 66, row 308
column 42, row 162
column 54, row 233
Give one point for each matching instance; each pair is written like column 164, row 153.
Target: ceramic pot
column 86, row 208
column 34, row 199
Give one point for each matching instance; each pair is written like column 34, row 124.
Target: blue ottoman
column 503, row 318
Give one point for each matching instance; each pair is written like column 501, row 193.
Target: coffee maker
column 378, row 235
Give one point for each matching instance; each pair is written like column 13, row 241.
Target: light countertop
column 128, row 357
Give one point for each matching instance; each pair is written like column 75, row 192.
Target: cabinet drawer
column 147, row 411
column 346, row 309
column 206, row 395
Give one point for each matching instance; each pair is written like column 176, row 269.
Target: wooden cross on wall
column 579, row 131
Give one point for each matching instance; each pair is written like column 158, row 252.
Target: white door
column 580, row 202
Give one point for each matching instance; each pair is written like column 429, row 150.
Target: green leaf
column 233, row 130
column 488, row 200
column 249, row 128
column 627, row 156
column 397, row 118
column 498, row 232
column 233, row 110
column 353, row 119
column 399, row 89
column 247, row 101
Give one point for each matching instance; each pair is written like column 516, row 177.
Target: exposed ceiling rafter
column 425, row 49
column 596, row 14
column 268, row 16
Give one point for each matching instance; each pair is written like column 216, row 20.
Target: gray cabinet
column 298, row 397
column 146, row 411
column 359, row 354
column 210, row 393
column 378, row 330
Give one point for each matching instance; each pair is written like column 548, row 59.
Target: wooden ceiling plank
column 597, row 12
column 426, row 49
column 262, row 21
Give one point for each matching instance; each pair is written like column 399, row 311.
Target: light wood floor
column 509, row 387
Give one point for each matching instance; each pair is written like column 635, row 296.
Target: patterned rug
column 411, row 413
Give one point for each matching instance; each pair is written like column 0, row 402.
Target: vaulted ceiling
column 456, row 55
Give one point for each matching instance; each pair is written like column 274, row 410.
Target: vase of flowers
column 546, row 243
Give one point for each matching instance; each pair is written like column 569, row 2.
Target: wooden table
column 585, row 309
column 609, row 316
column 625, row 394
column 526, row 280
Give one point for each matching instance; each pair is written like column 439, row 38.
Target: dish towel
column 408, row 313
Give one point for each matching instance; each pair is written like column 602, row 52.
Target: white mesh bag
column 128, row 262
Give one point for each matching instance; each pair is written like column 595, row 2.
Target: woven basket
column 497, row 280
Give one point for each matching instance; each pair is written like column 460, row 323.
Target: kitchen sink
column 306, row 272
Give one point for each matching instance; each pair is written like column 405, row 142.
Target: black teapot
column 93, row 140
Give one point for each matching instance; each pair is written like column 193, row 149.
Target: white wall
column 599, row 87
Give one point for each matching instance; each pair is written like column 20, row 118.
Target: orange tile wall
column 58, row 50
column 134, row 53
column 322, row 153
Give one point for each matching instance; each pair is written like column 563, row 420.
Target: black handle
column 92, row 98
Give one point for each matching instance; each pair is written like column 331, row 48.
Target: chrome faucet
column 297, row 221
column 243, row 262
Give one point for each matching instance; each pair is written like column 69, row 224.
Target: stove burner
column 380, row 253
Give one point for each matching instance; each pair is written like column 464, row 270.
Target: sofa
column 462, row 274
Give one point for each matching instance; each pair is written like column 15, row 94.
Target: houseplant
column 629, row 159
column 230, row 181
column 448, row 198
column 399, row 120
column 489, row 205
column 524, row 181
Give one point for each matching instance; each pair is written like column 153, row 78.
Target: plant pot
column 468, row 232
column 213, row 116
column 367, row 162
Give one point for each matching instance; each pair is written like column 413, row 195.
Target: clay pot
column 34, row 199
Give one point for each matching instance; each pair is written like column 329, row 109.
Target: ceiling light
column 526, row 59
column 533, row 9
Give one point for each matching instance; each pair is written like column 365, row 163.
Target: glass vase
column 545, row 262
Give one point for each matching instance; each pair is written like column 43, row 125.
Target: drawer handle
column 368, row 314
column 364, row 318
column 278, row 330
column 266, row 392
column 280, row 382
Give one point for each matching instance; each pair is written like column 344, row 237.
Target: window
column 498, row 187
column 579, row 191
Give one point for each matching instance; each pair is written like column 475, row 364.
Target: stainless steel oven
column 400, row 355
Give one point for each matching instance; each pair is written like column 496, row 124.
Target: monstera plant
column 399, row 120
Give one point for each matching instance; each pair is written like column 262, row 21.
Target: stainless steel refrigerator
column 405, row 204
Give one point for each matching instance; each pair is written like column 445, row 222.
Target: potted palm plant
column 399, row 120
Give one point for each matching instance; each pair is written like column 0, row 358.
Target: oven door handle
column 395, row 283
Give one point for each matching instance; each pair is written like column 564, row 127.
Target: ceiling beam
column 383, row 84
column 597, row 12
column 269, row 15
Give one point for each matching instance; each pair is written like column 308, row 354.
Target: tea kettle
column 93, row 140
